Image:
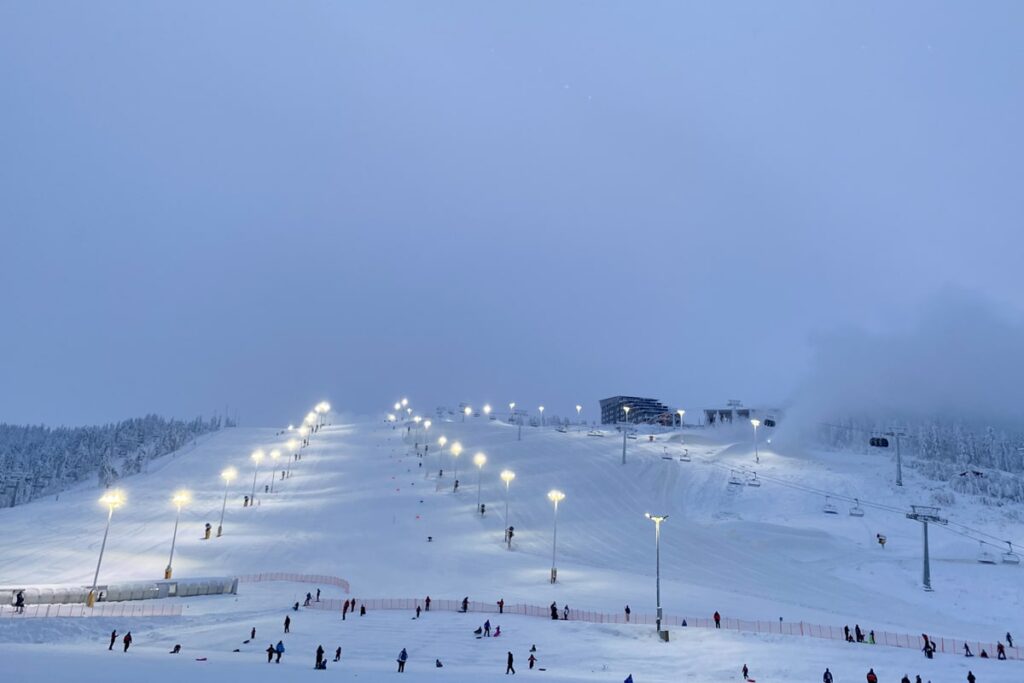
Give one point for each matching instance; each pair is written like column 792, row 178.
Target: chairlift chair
column 1011, row 557
column 829, row 508
column 856, row 510
column 985, row 556
column 685, row 457
column 734, row 478
column 753, row 480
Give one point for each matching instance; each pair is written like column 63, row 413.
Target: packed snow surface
column 361, row 505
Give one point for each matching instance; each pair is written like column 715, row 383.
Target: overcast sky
column 264, row 204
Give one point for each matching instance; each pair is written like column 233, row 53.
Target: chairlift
column 1011, row 557
column 753, row 480
column 829, row 508
column 985, row 556
column 856, row 510
column 562, row 430
column 595, row 432
column 685, row 457
column 734, row 478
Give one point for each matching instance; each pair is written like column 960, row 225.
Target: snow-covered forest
column 975, row 459
column 36, row 460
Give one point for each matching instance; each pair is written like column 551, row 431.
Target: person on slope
column 270, row 653
column 497, row 631
column 1009, row 638
column 554, row 611
column 279, row 650
column 426, row 604
column 465, row 604
column 127, row 640
column 319, row 656
column 19, row 608
column 628, row 611
column 859, row 634
column 565, row 613
column 905, row 679
column 309, row 599
column 287, row 624
column 746, row 673
column 487, row 629
column 1000, row 651
column 718, row 620
column 532, row 660
column 917, row 678
column 337, row 654
column 362, row 610
column 113, row 639
column 970, row 677
column 872, row 677
column 967, row 651
column 402, row 657
column 344, row 610
column 827, row 676
column 509, row 669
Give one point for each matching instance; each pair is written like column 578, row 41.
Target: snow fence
column 953, row 646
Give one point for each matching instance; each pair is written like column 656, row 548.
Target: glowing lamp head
column 487, row 409
column 456, row 449
column 541, row 408
column 257, row 456
column 426, row 424
column 181, row 498
column 405, row 401
column 755, row 423
column 512, row 405
column 479, row 459
column 507, row 476
column 391, row 417
column 417, row 419
column 398, row 406
column 229, row 474
column 681, row 412
column 291, row 428
column 113, row 498
column 467, row 410
column 657, row 519
column 292, row 444
column 275, row 454
column 579, row 408
column 441, row 441
column 556, row 496
column 310, row 418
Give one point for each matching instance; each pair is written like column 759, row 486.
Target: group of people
column 350, row 606
column 554, row 612
column 858, row 636
column 126, row 640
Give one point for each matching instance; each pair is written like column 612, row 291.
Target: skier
column 554, row 611
column 270, row 653
column 456, row 485
column 1009, row 639
column 113, row 639
column 718, row 620
column 417, row 611
column 565, row 613
column 127, row 640
column 967, row 651
column 426, row 604
column 509, row 669
column 402, row 656
column 344, row 610
column 1000, row 651
column 929, row 650
column 337, row 654
column 628, row 611
column 872, row 677
column 319, row 656
column 501, row 608
column 252, row 633
column 465, row 604
column 287, row 624
column 827, row 676
column 279, row 650
column 532, row 660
